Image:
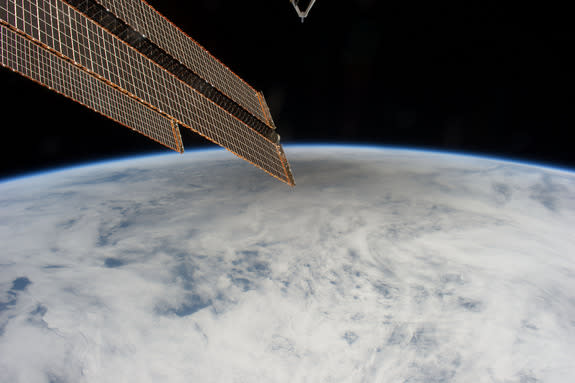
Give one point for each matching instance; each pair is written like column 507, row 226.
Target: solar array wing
column 50, row 70
column 95, row 47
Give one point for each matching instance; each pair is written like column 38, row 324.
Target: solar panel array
column 85, row 55
column 29, row 59
column 146, row 20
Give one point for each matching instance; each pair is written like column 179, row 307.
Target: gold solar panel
column 161, row 31
column 29, row 59
column 80, row 53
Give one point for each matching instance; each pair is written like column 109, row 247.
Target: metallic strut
column 302, row 14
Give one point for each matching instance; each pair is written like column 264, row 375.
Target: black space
column 469, row 77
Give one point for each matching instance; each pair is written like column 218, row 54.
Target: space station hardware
column 126, row 61
column 303, row 11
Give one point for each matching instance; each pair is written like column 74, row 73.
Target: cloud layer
column 381, row 265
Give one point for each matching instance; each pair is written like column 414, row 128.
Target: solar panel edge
column 177, row 135
column 266, row 110
column 290, row 180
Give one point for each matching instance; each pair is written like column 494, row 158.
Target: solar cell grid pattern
column 27, row 58
column 66, row 31
column 146, row 20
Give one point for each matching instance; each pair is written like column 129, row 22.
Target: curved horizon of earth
column 381, row 265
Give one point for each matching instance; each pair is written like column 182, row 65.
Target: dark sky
column 466, row 77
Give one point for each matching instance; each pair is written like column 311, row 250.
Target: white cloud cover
column 380, row 266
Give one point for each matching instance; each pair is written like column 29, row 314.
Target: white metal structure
column 302, row 14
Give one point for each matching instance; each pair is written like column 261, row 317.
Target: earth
column 381, row 265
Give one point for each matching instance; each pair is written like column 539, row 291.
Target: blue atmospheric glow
column 120, row 160
column 86, row 165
